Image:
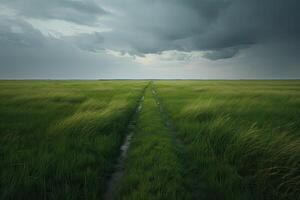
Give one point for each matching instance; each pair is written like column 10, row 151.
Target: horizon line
column 183, row 79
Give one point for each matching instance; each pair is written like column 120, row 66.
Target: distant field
column 190, row 140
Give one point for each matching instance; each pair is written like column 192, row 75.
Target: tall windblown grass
column 59, row 139
column 242, row 136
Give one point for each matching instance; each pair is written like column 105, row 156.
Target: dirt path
column 119, row 167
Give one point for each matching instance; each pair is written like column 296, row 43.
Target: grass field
column 58, row 139
column 191, row 140
column 242, row 137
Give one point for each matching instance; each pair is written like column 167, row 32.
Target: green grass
column 242, row 136
column 59, row 139
column 152, row 168
column 232, row 139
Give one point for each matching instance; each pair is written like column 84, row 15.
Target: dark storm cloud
column 220, row 26
column 221, row 29
column 242, row 23
column 222, row 54
column 81, row 12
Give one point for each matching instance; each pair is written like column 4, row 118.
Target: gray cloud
column 141, row 27
column 209, row 25
column 15, row 32
column 222, row 29
column 222, row 54
column 77, row 11
column 26, row 53
column 90, row 42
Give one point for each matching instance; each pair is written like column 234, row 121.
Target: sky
column 149, row 39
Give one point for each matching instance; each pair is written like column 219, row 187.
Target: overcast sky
column 201, row 39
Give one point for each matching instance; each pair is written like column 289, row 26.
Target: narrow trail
column 119, row 167
column 179, row 144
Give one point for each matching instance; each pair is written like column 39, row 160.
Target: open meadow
column 59, row 139
column 188, row 140
column 242, row 137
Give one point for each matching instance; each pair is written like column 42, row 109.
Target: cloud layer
column 46, row 34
